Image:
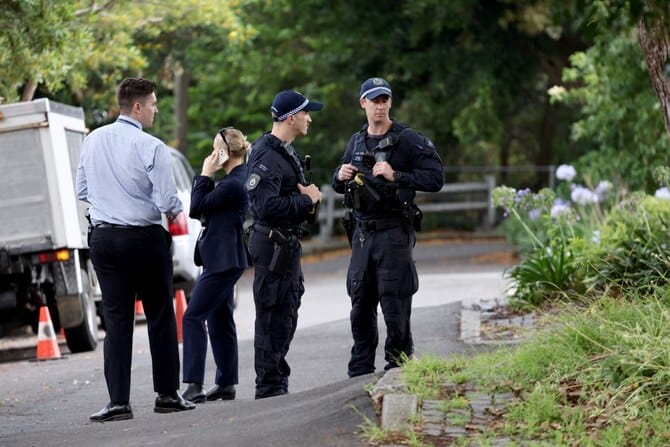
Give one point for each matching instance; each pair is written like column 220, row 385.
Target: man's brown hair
column 132, row 90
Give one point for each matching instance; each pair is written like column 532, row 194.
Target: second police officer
column 280, row 200
column 385, row 163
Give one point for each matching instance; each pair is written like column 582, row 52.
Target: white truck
column 44, row 256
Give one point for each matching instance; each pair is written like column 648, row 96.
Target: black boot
column 194, row 393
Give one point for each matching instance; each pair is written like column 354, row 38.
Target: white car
column 183, row 229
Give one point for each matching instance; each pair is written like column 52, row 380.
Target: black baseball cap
column 374, row 87
column 289, row 102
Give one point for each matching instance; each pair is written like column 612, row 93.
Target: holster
column 282, row 255
column 412, row 217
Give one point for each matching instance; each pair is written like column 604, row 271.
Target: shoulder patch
column 262, row 167
column 252, row 181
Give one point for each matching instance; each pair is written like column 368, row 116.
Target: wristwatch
column 397, row 175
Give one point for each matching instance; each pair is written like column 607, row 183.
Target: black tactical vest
column 366, row 193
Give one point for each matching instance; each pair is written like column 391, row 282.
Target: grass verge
column 599, row 376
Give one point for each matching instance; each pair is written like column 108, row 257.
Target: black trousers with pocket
column 381, row 272
column 277, row 300
column 130, row 262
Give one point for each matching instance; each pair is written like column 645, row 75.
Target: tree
column 654, row 28
column 610, row 82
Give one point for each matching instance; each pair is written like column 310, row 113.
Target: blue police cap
column 289, row 102
column 374, row 87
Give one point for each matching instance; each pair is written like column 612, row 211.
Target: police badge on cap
column 375, row 87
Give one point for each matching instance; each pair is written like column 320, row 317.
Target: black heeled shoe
column 194, row 393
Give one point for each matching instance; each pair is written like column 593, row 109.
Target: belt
column 111, row 225
column 266, row 229
column 379, row 224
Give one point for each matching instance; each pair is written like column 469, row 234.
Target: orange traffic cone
column 180, row 308
column 139, row 308
column 47, row 345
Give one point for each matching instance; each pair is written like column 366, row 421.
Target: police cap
column 374, row 87
column 289, row 102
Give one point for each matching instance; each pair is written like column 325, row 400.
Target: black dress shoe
column 223, row 392
column 194, row 393
column 113, row 412
column 169, row 403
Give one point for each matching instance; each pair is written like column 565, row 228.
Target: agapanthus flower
column 583, row 196
column 534, row 214
column 565, row 172
column 603, row 188
column 560, row 207
column 663, row 193
column 595, row 236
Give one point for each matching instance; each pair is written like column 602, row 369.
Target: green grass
column 600, row 376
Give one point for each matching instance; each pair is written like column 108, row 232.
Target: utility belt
column 410, row 221
column 267, row 230
column 286, row 241
column 379, row 224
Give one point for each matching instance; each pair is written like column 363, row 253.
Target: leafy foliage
column 632, row 252
column 620, row 112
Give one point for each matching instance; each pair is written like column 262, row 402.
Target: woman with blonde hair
column 222, row 209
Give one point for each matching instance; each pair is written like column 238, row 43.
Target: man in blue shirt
column 126, row 176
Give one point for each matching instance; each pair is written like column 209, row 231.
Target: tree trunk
column 181, row 80
column 29, row 90
column 655, row 43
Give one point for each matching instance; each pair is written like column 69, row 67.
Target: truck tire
column 85, row 336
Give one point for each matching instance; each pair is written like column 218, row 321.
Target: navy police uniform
column 224, row 258
column 382, row 270
column 278, row 210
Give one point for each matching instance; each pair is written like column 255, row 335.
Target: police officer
column 280, row 200
column 384, row 164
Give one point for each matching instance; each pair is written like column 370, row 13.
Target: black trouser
column 277, row 299
column 381, row 271
column 132, row 262
column 213, row 302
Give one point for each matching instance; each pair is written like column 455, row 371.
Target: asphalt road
column 48, row 403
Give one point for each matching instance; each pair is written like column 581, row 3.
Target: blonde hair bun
column 236, row 140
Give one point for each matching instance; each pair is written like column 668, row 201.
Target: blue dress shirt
column 126, row 175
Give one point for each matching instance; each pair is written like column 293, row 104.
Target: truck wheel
column 85, row 336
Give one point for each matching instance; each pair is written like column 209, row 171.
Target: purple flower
column 560, row 207
column 603, row 188
column 565, row 172
column 583, row 196
column 663, row 193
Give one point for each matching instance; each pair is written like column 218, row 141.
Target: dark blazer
column 224, row 208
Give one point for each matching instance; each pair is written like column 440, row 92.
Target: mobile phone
column 223, row 156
